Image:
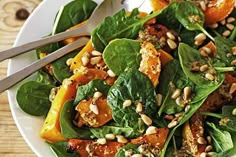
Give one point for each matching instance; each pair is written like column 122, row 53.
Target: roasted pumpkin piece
column 150, row 63
column 164, row 57
column 158, row 4
column 51, row 128
column 94, row 113
column 87, row 148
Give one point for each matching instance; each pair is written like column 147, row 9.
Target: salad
column 158, row 84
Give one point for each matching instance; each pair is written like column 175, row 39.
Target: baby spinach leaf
column 45, row 78
column 60, row 149
column 231, row 119
column 68, row 130
column 119, row 25
column 116, row 130
column 128, row 147
column 87, row 91
column 122, row 54
column 222, row 140
column 33, row 98
column 131, row 85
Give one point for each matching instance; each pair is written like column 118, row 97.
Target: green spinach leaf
column 45, row 78
column 87, row 91
column 131, row 85
column 33, row 98
column 68, row 130
column 231, row 119
column 122, row 54
column 129, row 147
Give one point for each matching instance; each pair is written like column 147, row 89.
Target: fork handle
column 23, row 73
column 82, row 31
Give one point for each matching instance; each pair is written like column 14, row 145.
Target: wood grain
column 11, row 142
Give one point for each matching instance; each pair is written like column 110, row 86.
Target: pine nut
column 137, row 155
column 96, row 53
column 159, row 99
column 195, row 68
column 211, row 70
column 170, row 35
column 200, row 37
column 180, row 101
column 211, row 154
column 146, row 119
column 186, row 109
column 111, row 73
column 169, row 117
column 204, row 68
column 207, row 50
column 95, row 60
column 198, row 42
column 179, row 39
column 230, row 26
column 201, row 140
column 176, row 93
column 171, row 44
column 223, row 22
column 172, row 124
column 121, row 139
column 94, row 108
column 208, row 148
column 209, row 139
column 234, row 112
column 101, row 141
column 226, row 33
column 67, row 82
column 233, row 49
column 85, row 60
column 203, row 5
column 128, row 152
column 127, row 103
column 203, row 53
column 86, row 54
column 139, row 107
column 110, row 136
column 233, row 62
column 69, row 61
column 232, row 88
column 203, row 154
column 230, row 19
column 229, row 55
column 151, row 130
column 209, row 76
column 215, row 25
column 187, row 92
column 97, row 95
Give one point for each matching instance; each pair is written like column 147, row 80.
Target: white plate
column 39, row 24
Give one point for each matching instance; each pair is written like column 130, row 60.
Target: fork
column 106, row 8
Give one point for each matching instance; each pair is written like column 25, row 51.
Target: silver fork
column 106, row 8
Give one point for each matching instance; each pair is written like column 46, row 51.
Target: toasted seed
column 207, row 50
column 162, row 41
column 69, row 61
column 180, row 114
column 121, row 139
column 86, row 54
column 101, row 141
column 129, row 152
column 203, row 5
column 171, row 44
column 180, row 101
column 203, row 154
column 97, row 95
column 151, row 130
column 94, row 108
column 208, row 148
column 111, row 73
column 223, row 22
column 211, row 154
column 159, row 99
column 95, row 60
column 170, row 36
column 179, row 39
column 110, row 136
column 127, row 103
column 232, row 88
column 176, row 93
column 169, row 117
column 200, row 37
column 201, row 140
column 226, row 33
column 204, row 68
column 137, row 155
column 85, row 60
column 96, row 53
column 230, row 26
column 234, row 112
column 230, row 19
column 215, row 25
column 195, row 68
column 187, row 92
column 211, row 71
column 139, row 107
column 187, row 107
column 233, row 49
column 172, row 124
column 229, row 55
column 209, row 76
column 203, row 53
column 208, row 139
column 67, row 82
column 146, row 119
column 233, row 62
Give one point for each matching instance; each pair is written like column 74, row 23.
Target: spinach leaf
column 118, row 26
column 116, row 130
column 222, row 140
column 72, row 14
column 129, row 147
column 68, row 130
column 45, row 78
column 60, row 149
column 231, row 119
column 122, row 54
column 87, row 91
column 33, row 98
column 137, row 87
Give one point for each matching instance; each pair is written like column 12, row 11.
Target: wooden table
column 11, row 142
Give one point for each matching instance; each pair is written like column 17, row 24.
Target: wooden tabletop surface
column 11, row 142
